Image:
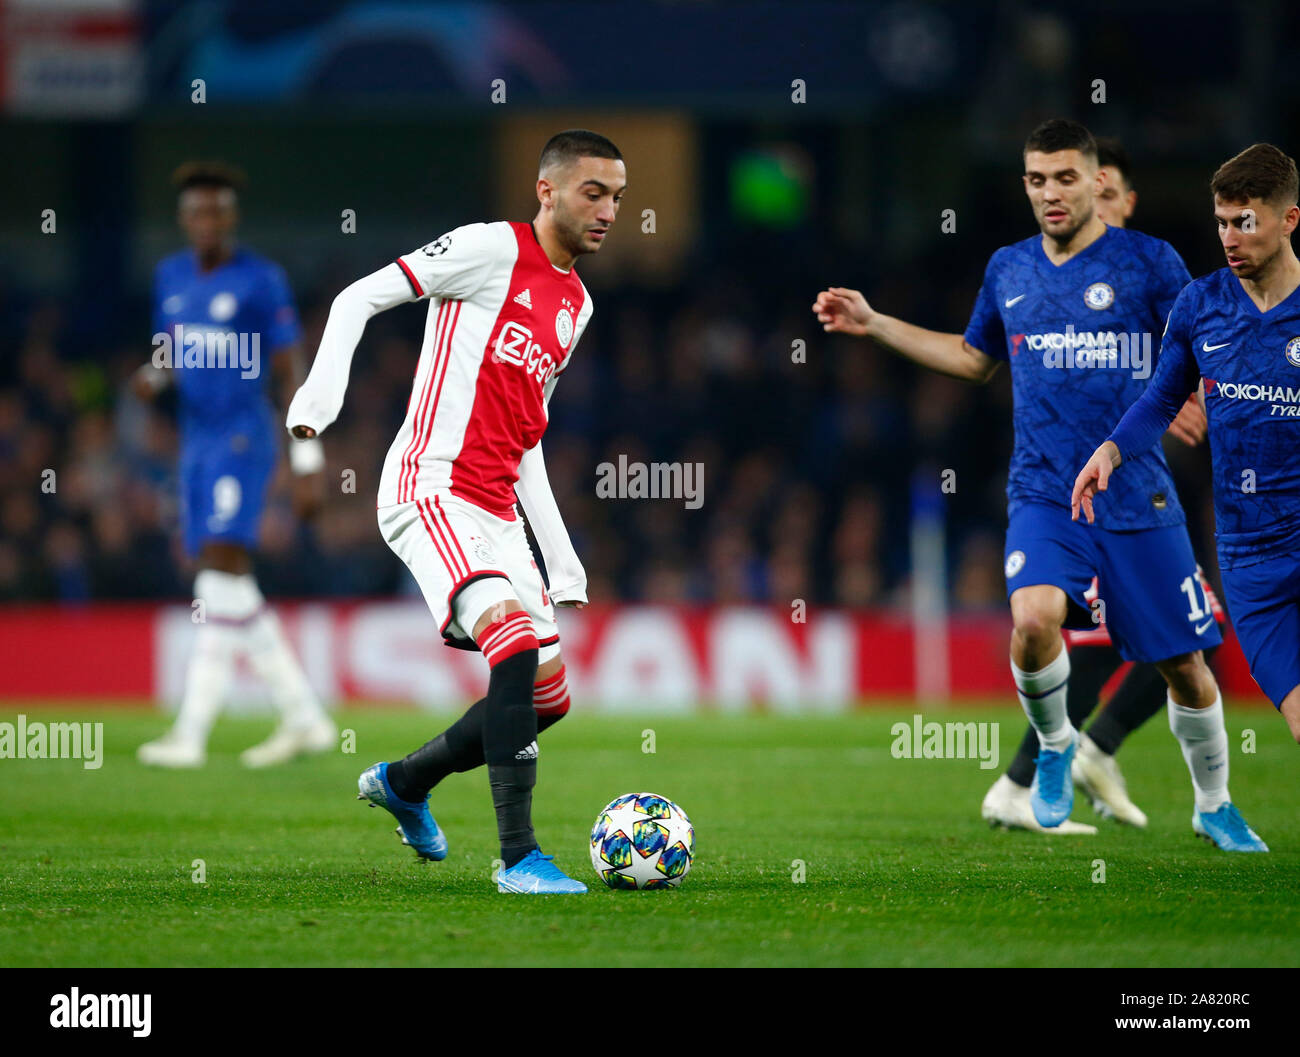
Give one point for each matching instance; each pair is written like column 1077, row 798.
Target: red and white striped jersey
column 503, row 322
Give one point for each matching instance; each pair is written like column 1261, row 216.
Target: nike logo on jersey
column 524, row 299
column 1201, row 629
column 1014, row 300
column 1207, row 347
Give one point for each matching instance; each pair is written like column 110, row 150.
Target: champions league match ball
column 642, row 840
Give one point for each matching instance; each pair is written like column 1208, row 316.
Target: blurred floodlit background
column 758, row 202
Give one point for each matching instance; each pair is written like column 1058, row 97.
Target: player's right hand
column 574, row 595
column 1093, row 478
column 302, row 432
column 147, row 381
column 843, row 311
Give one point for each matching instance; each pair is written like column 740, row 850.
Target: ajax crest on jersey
column 1015, row 562
column 642, row 840
column 482, row 551
column 1099, row 296
column 222, row 306
column 1293, row 352
column 563, row 327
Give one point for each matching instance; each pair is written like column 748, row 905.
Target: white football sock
column 226, row 605
column 274, row 662
column 1042, row 696
column 1204, row 741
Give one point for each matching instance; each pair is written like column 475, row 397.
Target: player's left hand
column 308, row 494
column 147, row 382
column 1093, row 478
column 1189, row 424
column 575, row 604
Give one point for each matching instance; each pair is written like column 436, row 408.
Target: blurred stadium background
column 819, row 476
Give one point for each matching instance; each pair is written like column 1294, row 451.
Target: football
column 642, row 840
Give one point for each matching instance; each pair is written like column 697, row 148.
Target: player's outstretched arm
column 1165, row 404
column 568, row 579
column 150, row 379
column 1176, row 378
column 843, row 311
column 455, row 265
column 306, row 456
column 1093, row 478
column 317, row 402
column 1138, row 430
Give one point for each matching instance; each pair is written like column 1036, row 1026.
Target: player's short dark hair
column 214, row 174
column 1060, row 133
column 1261, row 171
column 575, row 143
column 1111, row 152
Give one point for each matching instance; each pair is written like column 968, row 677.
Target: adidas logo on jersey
column 524, row 298
column 528, row 752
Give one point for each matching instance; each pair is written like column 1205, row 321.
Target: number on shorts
column 1190, row 586
column 226, row 497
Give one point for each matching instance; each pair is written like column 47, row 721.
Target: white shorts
column 466, row 561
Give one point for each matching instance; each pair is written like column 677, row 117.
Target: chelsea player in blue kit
column 1238, row 330
column 222, row 313
column 1093, row 657
column 1072, row 311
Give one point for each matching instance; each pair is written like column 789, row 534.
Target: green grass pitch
column 97, row 866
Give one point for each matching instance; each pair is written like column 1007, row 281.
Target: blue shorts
column 223, row 492
column 1264, row 606
column 1149, row 593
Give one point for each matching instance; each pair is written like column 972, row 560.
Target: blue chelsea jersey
column 223, row 327
column 1250, row 362
column 1081, row 339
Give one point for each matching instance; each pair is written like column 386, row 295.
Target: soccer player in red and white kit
column 506, row 311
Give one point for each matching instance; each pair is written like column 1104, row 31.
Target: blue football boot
column 1227, row 830
column 1052, row 793
column 537, row 874
column 415, row 824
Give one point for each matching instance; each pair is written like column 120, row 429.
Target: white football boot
column 287, row 742
column 1098, row 776
column 172, row 750
column 1007, row 805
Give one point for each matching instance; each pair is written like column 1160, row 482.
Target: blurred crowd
column 812, row 460
column 809, row 460
column 811, row 469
